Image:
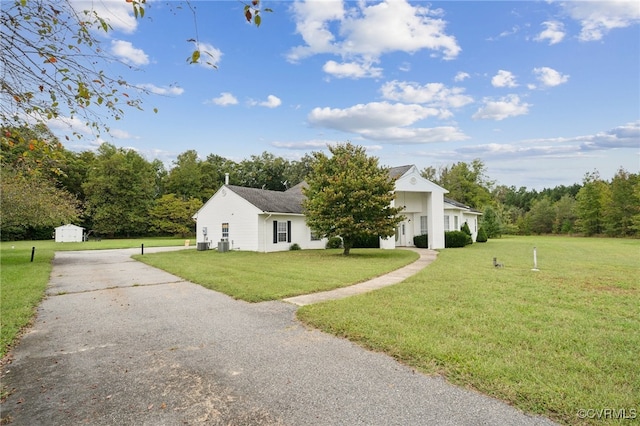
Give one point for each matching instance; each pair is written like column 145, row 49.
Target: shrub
column 421, row 241
column 455, row 239
column 334, row 243
column 465, row 228
column 294, row 246
column 482, row 236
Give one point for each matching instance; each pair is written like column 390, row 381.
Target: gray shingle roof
column 396, row 172
column 271, row 201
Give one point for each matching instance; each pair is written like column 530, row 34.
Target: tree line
column 116, row 192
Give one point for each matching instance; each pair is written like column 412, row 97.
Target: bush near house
column 421, row 241
column 334, row 243
column 455, row 239
column 465, row 228
column 372, row 241
column 482, row 236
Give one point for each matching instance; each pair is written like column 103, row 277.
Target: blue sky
column 541, row 92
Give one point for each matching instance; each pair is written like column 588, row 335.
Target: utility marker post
column 535, row 260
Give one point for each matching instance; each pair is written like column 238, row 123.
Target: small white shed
column 69, row 234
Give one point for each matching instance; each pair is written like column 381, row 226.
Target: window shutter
column 288, row 231
column 275, row 232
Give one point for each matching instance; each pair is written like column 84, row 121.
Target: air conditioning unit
column 223, row 245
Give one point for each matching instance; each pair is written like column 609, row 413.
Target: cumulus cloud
column 553, row 32
column 385, row 122
column 461, row 76
column 433, row 94
column 508, row 106
column 271, row 102
column 225, row 99
column 598, row 18
column 351, row 70
column 549, row 77
column 304, row 145
column 125, row 51
column 504, row 79
column 366, row 31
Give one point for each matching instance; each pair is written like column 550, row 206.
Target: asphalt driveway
column 117, row 342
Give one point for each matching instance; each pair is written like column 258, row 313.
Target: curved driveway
column 117, row 342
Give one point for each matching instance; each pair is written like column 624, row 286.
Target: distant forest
column 115, row 192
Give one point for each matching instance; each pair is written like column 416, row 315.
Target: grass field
column 22, row 282
column 552, row 342
column 257, row 277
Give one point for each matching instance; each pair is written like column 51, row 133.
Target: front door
column 401, row 235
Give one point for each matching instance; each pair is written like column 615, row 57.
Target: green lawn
column 550, row 342
column 257, row 277
column 22, row 282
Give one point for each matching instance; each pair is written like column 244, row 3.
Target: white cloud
column 351, row 70
column 304, row 145
column 120, row 134
column 271, row 102
column 413, row 136
column 385, row 122
column 598, row 18
column 129, row 54
column 461, row 76
column 225, row 99
column 504, row 79
column 553, row 32
column 365, row 32
column 210, row 56
column 117, row 13
column 361, row 117
column 508, row 106
column 432, row 94
column 550, row 77
column 166, row 90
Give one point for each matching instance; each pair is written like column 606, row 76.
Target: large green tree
column 185, row 178
column 349, row 195
column 466, row 183
column 120, row 191
column 623, row 209
column 173, row 215
column 591, row 202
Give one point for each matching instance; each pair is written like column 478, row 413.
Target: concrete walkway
column 117, row 342
column 394, row 277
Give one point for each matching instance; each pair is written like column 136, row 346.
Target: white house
column 456, row 214
column 261, row 220
column 69, row 234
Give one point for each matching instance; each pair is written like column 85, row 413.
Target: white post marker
column 535, row 260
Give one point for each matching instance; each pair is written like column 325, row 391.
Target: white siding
column 69, row 234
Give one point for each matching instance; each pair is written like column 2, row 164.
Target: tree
column 624, row 205
column 565, row 215
column 350, row 196
column 52, row 62
column 185, row 178
column 265, row 171
column 541, row 216
column 466, row 183
column 120, row 191
column 590, row 204
column 172, row 215
column 30, row 201
column 491, row 223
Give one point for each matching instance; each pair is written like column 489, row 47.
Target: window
column 424, row 227
column 455, row 223
column 281, row 231
column 446, row 222
column 225, row 231
column 315, row 236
